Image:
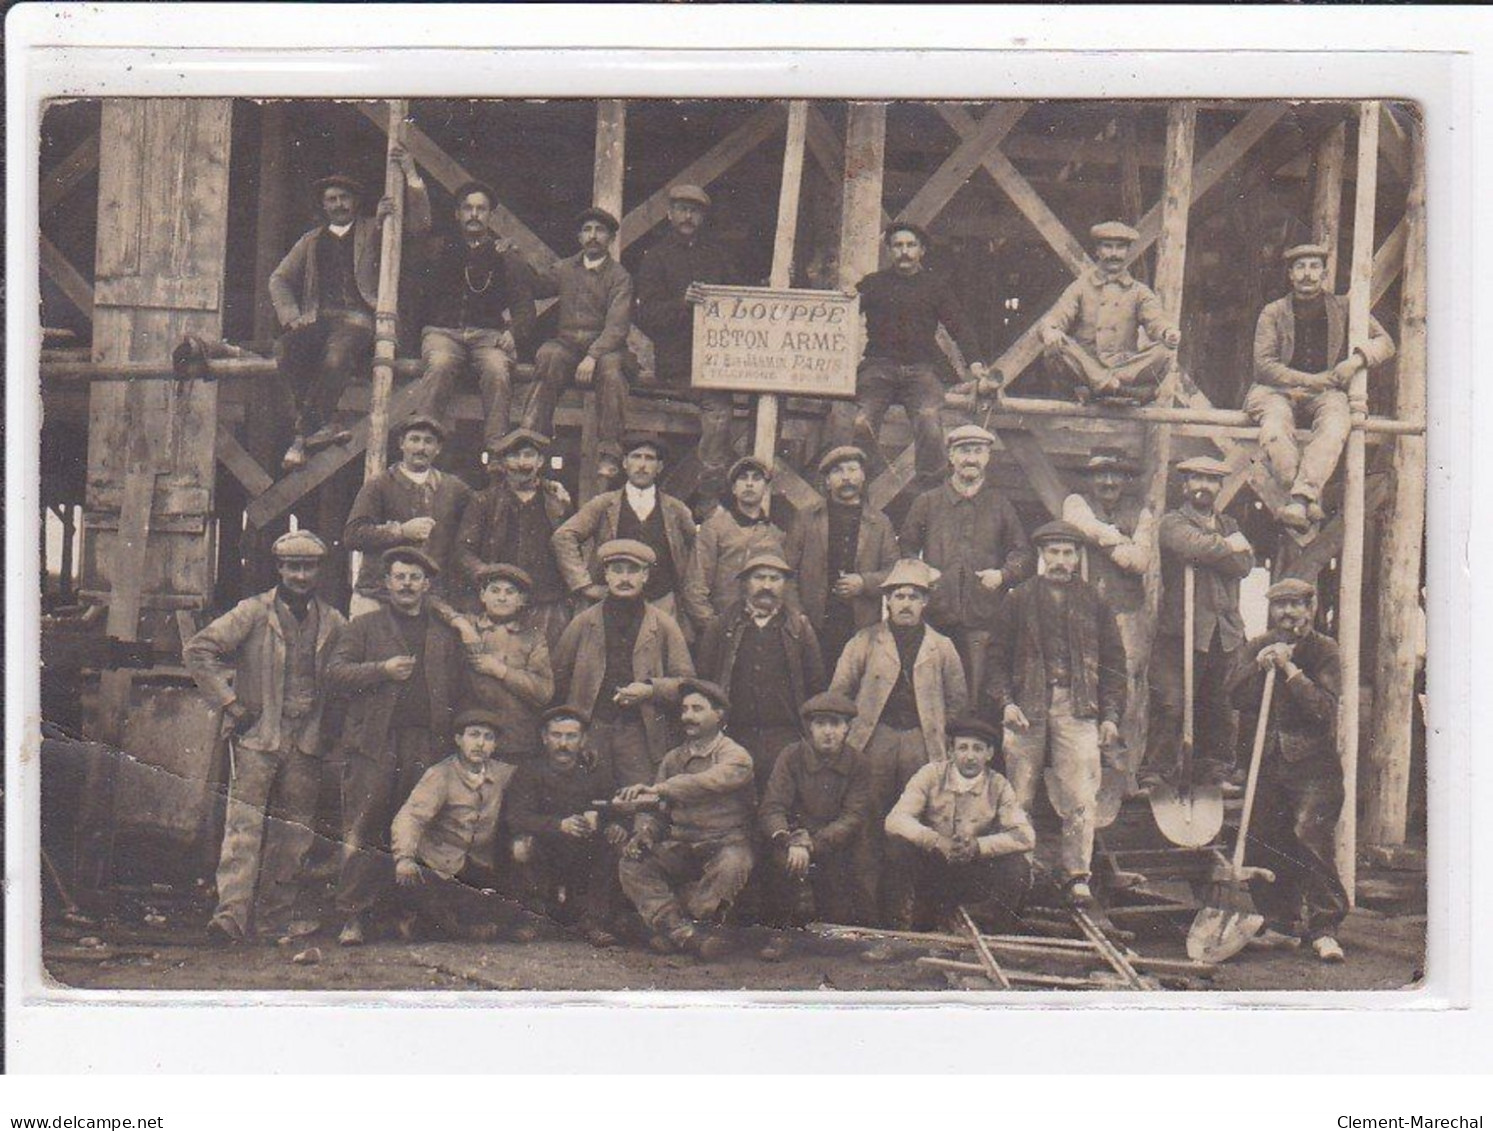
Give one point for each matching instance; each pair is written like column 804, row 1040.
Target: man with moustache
column 842, row 548
column 639, row 511
column 621, row 661
column 595, row 294
column 1090, row 339
column 1057, row 678
column 325, row 291
column 513, row 523
column 478, row 311
column 904, row 305
column 669, row 281
column 413, row 503
column 906, row 681
column 1305, row 368
column 263, row 665
column 402, row 670
column 1196, row 535
column 691, row 852
column 1300, row 792
column 741, row 529
column 766, row 658
column 968, row 530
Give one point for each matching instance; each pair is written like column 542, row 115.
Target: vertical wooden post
column 1131, row 207
column 386, row 318
column 1386, row 811
column 1327, row 196
column 269, row 222
column 1171, row 261
column 865, row 160
column 765, row 445
column 1350, row 593
column 609, row 168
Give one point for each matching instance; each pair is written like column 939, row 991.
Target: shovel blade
column 1190, row 817
column 1112, row 786
column 1217, row 935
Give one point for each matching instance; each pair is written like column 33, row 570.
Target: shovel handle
column 1262, row 726
column 1189, row 641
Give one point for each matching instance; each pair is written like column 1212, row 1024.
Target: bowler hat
column 411, row 556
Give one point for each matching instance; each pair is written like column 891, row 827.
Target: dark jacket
column 1185, row 539
column 355, row 672
column 484, row 522
column 542, row 795
column 716, row 654
column 903, row 314
column 506, row 286
column 1303, row 709
column 596, row 523
column 827, row 798
column 1017, row 663
column 389, row 499
column 659, row 309
column 808, row 552
column 595, row 306
column 1275, row 343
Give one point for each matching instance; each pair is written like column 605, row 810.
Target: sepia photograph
column 750, row 545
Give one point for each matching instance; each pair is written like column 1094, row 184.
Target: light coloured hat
column 692, row 194
column 911, row 571
column 1114, row 230
column 843, row 454
column 299, row 545
column 1288, row 587
column 969, row 434
column 1302, row 250
column 629, row 550
column 1205, row 465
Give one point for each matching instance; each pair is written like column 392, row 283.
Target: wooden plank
column 1386, row 809
column 1035, row 462
column 765, row 441
column 1327, row 196
column 159, row 292
column 894, row 480
column 271, row 205
column 865, row 161
column 386, row 317
column 1388, row 262
column 58, row 184
column 1350, row 593
column 608, row 172
column 978, row 140
column 824, row 145
column 232, row 455
column 1394, row 144
column 76, row 289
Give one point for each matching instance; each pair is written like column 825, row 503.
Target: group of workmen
column 616, row 714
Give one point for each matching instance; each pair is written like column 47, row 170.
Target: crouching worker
column 564, row 852
column 684, row 866
column 445, row 840
column 816, row 804
column 967, row 839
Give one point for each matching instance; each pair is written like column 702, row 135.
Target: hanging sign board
column 766, row 340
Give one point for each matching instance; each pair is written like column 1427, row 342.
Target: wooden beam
column 1388, row 262
column 245, row 468
column 608, row 174
column 1350, row 593
column 386, row 317
column 68, row 174
column 1386, row 811
column 978, row 140
column 824, row 145
column 765, row 441
column 891, row 482
column 1327, row 196
column 77, row 290
column 1394, row 144
column 1027, row 450
column 865, row 162
column 269, row 214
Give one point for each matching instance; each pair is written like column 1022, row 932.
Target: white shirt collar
column 641, row 499
column 762, row 619
column 420, row 477
column 958, row 783
column 593, row 265
column 340, row 230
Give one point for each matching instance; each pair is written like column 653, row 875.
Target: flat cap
column 1205, row 465
column 412, row 556
column 601, row 215
column 972, row 726
column 1302, row 250
column 765, row 561
column 910, row 571
column 476, row 717
column 904, row 226
column 1057, row 531
column 1106, row 459
column 338, row 180
column 836, row 456
column 1289, row 587
column 420, row 420
column 712, row 691
column 628, row 550
column 1114, row 230
column 828, row 703
column 519, row 438
column 748, row 463
column 969, row 434
column 635, row 440
column 467, row 188
column 299, row 544
column 692, row 194
column 504, row 571
column 566, row 711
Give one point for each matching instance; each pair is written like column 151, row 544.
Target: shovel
column 1189, row 815
column 1222, row 928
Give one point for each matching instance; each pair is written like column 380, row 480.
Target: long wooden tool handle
column 1189, row 639
column 993, row 970
column 1255, row 757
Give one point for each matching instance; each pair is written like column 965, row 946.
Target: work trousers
column 675, row 884
column 1071, row 746
column 1303, row 471
column 569, row 880
column 826, row 894
column 672, row 362
column 891, row 757
column 316, row 362
column 880, row 383
column 446, row 351
column 554, row 369
column 624, row 743
column 764, row 744
column 455, row 904
column 1214, row 721
column 973, row 646
column 1292, row 833
column 373, row 789
column 267, row 833
column 1133, row 376
column 992, row 889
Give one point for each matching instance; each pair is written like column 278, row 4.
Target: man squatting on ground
column 1090, row 340
column 1057, row 678
column 325, row 292
column 691, row 854
column 263, row 664
column 1303, row 367
column 906, row 681
column 1300, row 792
